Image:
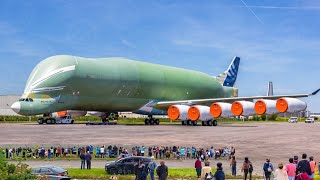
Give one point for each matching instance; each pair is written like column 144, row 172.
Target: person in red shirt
column 291, row 169
column 198, row 167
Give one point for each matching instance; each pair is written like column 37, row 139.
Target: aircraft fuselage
column 110, row 84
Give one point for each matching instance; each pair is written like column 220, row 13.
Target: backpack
column 208, row 176
column 250, row 167
column 269, row 168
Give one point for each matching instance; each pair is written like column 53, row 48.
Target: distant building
column 305, row 114
column 5, row 104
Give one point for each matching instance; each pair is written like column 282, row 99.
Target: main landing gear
column 151, row 121
column 189, row 123
column 210, row 123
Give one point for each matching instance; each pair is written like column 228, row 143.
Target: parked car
column 51, row 173
column 293, row 120
column 125, row 165
column 309, row 120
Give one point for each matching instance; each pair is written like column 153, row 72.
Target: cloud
column 257, row 48
column 127, row 43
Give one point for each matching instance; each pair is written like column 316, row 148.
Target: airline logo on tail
column 229, row 77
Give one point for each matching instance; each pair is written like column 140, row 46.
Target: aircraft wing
column 231, row 99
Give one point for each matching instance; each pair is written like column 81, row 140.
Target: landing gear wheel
column 215, row 122
column 157, row 122
column 183, row 122
column 40, row 120
column 146, row 121
column 189, row 122
column 194, row 123
column 53, row 121
column 209, row 123
column 48, row 121
column 151, row 121
column 203, row 123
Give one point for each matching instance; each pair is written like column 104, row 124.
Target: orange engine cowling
column 265, row 106
column 244, row 108
column 220, row 109
column 72, row 113
column 178, row 112
column 61, row 113
column 199, row 112
column 290, row 105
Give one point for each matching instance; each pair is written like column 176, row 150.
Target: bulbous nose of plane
column 16, row 107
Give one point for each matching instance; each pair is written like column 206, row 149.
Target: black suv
column 125, row 165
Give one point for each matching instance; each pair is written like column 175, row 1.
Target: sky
column 277, row 41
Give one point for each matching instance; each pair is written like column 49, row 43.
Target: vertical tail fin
column 270, row 89
column 229, row 77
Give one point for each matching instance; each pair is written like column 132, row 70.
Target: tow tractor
column 56, row 120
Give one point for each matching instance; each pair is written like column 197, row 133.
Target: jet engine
column 244, row 108
column 290, row 105
column 265, row 106
column 72, row 113
column 180, row 112
column 220, row 109
column 199, row 112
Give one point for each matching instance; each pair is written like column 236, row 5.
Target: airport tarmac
column 277, row 141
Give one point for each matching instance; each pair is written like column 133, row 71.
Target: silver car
column 51, row 172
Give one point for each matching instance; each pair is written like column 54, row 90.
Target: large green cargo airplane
column 64, row 82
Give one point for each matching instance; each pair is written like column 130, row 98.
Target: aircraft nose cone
column 16, row 107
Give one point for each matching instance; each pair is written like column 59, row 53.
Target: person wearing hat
column 151, row 167
column 219, row 174
column 280, row 173
column 268, row 169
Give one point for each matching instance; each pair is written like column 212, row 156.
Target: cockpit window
column 26, row 99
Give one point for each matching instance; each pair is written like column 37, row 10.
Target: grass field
column 174, row 173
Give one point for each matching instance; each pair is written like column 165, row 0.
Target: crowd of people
column 114, row 151
column 293, row 170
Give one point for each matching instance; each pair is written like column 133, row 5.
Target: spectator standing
column 280, row 173
column 319, row 168
column 198, row 167
column 206, row 171
column 304, row 165
column 143, row 149
column 182, row 152
column 102, row 151
column 162, row 171
column 247, row 168
column 268, row 169
column 151, row 167
column 312, row 167
column 49, row 153
column 219, row 174
column 291, row 169
column 83, row 160
column 233, row 166
column 88, row 158
column 97, row 152
column 141, row 169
